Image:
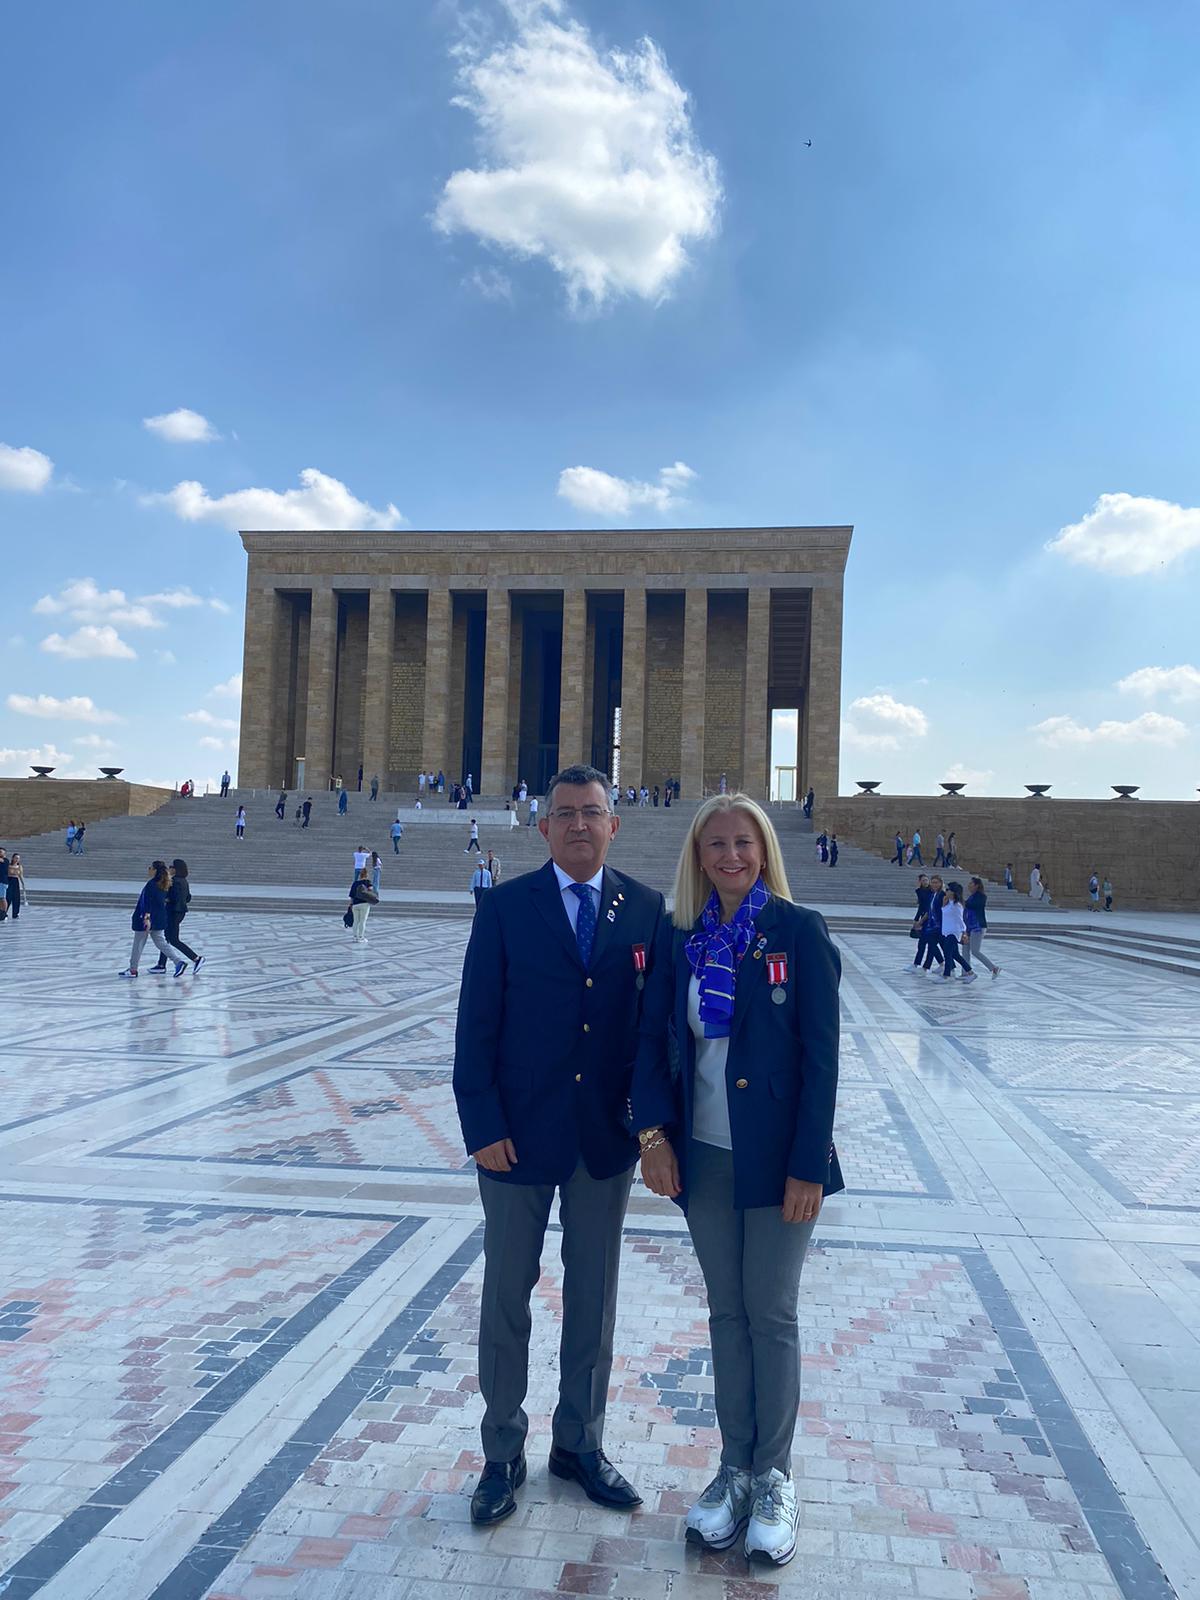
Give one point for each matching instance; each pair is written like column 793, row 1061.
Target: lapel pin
column 777, row 974
column 612, row 916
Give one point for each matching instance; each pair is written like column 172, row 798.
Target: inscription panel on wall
column 408, row 716
column 664, row 723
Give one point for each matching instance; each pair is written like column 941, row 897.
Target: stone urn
column 111, row 772
column 1038, row 791
column 41, row 772
column 868, row 785
column 1125, row 791
column 953, row 788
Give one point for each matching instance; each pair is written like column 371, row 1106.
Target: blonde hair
column 692, row 888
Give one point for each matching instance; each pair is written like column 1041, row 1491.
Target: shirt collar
column 565, row 880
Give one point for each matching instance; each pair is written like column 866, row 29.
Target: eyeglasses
column 567, row 814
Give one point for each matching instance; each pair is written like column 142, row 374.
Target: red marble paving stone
column 362, row 1526
column 622, row 1552
column 1003, row 1588
column 687, row 1455
column 321, row 1553
column 971, row 1558
column 675, row 1502
column 749, row 1589
column 381, row 1432
column 345, row 1450
column 581, row 1577
column 929, row 1523
column 647, row 1525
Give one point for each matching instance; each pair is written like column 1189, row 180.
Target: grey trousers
column 975, row 942
column 751, row 1262
column 591, row 1211
column 160, row 942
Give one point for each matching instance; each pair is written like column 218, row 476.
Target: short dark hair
column 180, row 866
column 577, row 775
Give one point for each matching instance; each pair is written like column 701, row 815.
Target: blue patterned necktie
column 585, row 923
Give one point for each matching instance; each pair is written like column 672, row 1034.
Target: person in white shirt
column 533, row 811
column 954, row 928
column 481, row 879
column 513, row 820
column 361, row 856
column 473, row 842
column 420, row 782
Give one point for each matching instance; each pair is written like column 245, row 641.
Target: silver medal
column 779, row 995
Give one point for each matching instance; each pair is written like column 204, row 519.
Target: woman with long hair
column 976, row 919
column 179, row 897
column 954, row 933
column 149, row 921
column 733, row 1101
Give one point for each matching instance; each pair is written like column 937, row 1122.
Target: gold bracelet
column 648, row 1133
column 653, row 1144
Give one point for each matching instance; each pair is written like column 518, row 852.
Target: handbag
column 347, row 918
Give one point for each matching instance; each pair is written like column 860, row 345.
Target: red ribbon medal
column 776, row 969
column 639, row 958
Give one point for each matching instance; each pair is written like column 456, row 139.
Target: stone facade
column 1150, row 849
column 28, row 805
column 509, row 654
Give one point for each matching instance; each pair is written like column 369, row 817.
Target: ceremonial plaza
column 243, row 1252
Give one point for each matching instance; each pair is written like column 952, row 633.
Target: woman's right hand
column 660, row 1171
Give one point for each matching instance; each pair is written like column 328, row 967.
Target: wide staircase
column 431, row 857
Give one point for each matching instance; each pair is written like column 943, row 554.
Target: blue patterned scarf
column 715, row 952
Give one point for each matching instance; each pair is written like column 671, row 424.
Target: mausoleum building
column 510, row 654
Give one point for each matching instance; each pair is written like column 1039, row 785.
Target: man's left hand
column 801, row 1201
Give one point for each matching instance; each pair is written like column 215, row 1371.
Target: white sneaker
column 720, row 1514
column 774, row 1510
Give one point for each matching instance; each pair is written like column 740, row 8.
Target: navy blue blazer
column 544, row 1048
column 782, row 1067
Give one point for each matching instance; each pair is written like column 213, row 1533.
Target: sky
column 926, row 269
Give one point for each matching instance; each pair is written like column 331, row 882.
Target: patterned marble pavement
column 240, row 1273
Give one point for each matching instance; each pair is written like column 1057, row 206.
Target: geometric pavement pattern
column 240, row 1274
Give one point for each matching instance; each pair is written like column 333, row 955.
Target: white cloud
column 173, row 599
column 83, row 601
column 589, row 489
column 323, row 502
column 15, row 762
column 94, row 741
column 182, row 427
column 1178, row 683
column 1150, row 728
column 78, row 708
column 973, row 777
column 232, row 687
column 222, row 606
column 24, row 469
column 881, row 722
column 89, row 643
column 490, row 283
column 207, row 720
column 209, row 742
column 588, row 158
column 1129, row 535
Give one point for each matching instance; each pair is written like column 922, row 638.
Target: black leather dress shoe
column 495, row 1494
column 596, row 1476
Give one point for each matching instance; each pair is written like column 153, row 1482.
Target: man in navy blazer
column 548, row 1019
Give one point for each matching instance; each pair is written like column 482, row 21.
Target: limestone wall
column 1149, row 848
column 31, row 805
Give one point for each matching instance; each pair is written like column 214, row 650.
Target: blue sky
column 442, row 254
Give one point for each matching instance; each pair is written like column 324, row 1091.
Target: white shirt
column 953, row 920
column 710, row 1097
column 533, row 805
column 360, row 859
column 571, row 900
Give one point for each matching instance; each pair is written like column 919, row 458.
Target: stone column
column 574, row 674
column 633, row 686
column 322, row 664
column 756, row 717
column 824, row 698
column 494, row 777
column 377, row 699
column 695, row 683
column 437, row 683
column 258, row 751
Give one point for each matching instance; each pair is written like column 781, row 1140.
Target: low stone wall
column 40, row 805
column 1149, row 848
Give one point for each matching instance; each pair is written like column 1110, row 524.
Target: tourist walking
column 149, row 921
column 952, row 849
column 80, row 830
column 375, row 786
column 225, row 784
column 924, row 895
column 3, row 885
column 514, row 820
column 822, row 847
column 1008, row 876
column 915, row 848
column 481, row 879
column 376, row 871
column 179, row 897
column 306, row 808
column 361, row 856
column 898, row 858
column 740, row 1135
column 14, row 888
column 975, row 912
column 533, row 811
column 420, row 783
column 281, row 805
column 939, row 852
column 493, row 866
column 362, row 898
column 668, row 796
column 240, row 823
column 1108, row 894
column 1036, row 889
column 833, row 849
column 954, row 927
column 473, row 841
column 343, row 800
column 809, row 801
column 929, row 945
column 70, row 838
column 547, row 1026
column 397, row 832
column 1094, row 892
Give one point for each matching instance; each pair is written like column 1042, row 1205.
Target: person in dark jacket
column 547, row 1032
column 179, row 897
column 924, row 897
column 975, row 912
column 929, row 945
column 735, row 1123
column 149, row 921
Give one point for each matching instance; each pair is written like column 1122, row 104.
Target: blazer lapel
column 608, row 918
column 547, row 896
column 752, row 971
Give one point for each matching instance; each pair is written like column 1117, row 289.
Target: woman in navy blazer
column 733, row 1098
